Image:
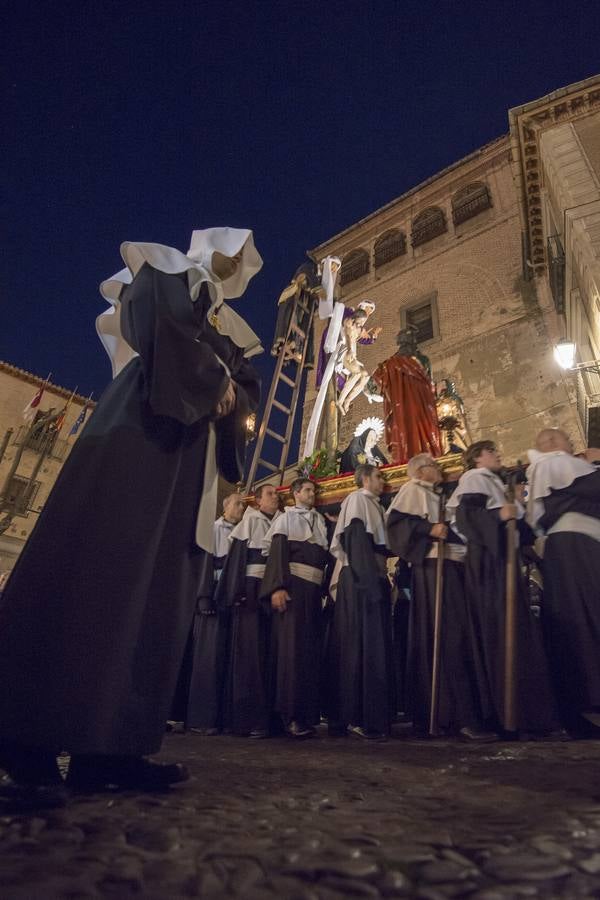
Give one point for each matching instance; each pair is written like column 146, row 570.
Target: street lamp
column 564, row 354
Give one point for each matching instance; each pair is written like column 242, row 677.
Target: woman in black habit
column 95, row 616
column 363, row 446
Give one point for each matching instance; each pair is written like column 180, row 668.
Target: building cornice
column 527, row 123
column 496, row 147
column 29, row 378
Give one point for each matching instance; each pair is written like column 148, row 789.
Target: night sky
column 142, row 121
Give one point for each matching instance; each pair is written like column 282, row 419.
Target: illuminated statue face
column 370, row 440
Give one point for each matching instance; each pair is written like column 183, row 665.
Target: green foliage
column 320, row 464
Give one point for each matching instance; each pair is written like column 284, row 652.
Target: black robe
column 409, row 537
column 359, row 654
column 297, row 633
column 485, row 587
column 95, row 616
column 245, row 705
column 571, row 606
column 209, row 647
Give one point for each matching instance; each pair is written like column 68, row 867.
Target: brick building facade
column 456, row 257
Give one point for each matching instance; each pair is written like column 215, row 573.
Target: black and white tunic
column 246, row 702
column 415, row 508
column 359, row 653
column 296, row 549
column 564, row 504
column 475, row 506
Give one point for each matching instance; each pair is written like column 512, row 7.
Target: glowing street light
column 564, row 353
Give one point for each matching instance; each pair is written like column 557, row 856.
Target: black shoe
column 257, row 734
column 99, row 773
column 360, row 732
column 205, row 732
column 17, row 796
column 175, row 727
column 30, row 766
column 299, row 731
column 474, row 736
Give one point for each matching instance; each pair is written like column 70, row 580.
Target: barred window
column 470, row 201
column 423, row 314
column 389, row 246
column 427, row 225
column 19, row 495
column 354, row 266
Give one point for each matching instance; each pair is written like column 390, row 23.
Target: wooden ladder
column 280, row 404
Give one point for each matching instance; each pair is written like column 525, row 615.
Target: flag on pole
column 60, row 420
column 79, row 421
column 31, row 408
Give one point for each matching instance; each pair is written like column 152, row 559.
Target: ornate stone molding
column 527, row 123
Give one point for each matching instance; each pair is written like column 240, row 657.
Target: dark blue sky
column 142, row 121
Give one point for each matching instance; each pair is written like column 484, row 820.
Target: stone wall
column 17, row 389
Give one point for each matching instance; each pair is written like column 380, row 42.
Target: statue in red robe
column 409, row 402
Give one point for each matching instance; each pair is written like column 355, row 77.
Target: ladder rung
column 278, row 437
column 268, row 465
column 282, row 407
column 303, row 307
column 285, row 378
column 298, row 330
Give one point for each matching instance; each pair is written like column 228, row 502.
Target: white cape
column 298, row 524
column 551, row 472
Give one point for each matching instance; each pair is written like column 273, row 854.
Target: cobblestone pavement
column 325, row 819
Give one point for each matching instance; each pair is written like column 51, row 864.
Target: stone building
column 17, row 389
column 556, row 160
column 472, row 257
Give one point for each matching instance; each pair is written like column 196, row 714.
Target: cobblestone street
column 326, row 819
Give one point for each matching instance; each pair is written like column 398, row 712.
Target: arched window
column 389, row 246
column 354, row 266
column 470, row 201
column 427, row 225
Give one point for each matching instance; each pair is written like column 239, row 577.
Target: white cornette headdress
column 373, row 423
column 196, row 264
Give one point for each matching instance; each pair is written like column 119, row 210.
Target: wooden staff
column 510, row 621
column 437, row 626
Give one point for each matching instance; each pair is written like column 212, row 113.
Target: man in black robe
column 95, row 616
column 414, row 531
column 564, row 503
column 211, row 631
column 359, row 655
column 296, row 549
column 481, row 515
column 245, row 703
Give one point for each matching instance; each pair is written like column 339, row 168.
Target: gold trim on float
column 336, row 488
